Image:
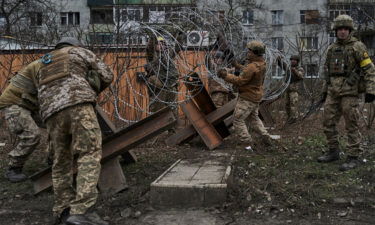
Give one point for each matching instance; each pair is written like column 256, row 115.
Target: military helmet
column 295, row 57
column 70, row 41
column 343, row 21
column 257, row 47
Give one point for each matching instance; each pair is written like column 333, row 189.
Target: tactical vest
column 342, row 61
column 57, row 65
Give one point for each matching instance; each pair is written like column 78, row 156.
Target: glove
column 222, row 73
column 369, row 98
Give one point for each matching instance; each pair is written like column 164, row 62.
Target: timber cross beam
column 209, row 122
column 112, row 179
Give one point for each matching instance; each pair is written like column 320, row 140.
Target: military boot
column 61, row 219
column 332, row 155
column 351, row 162
column 85, row 219
column 267, row 141
column 14, row 174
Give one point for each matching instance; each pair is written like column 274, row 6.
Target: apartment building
column 291, row 26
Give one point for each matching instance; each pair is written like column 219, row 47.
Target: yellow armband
column 365, row 62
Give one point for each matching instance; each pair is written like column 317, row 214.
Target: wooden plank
column 205, row 129
column 201, row 97
column 109, row 128
column 214, row 118
column 112, row 178
column 118, row 143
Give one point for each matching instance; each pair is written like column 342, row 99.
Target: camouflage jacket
column 297, row 75
column 21, row 90
column 296, row 78
column 250, row 81
column 164, row 67
column 62, row 80
column 345, row 62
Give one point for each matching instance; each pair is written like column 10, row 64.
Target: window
column 132, row 14
column 277, row 72
column 101, row 38
column 278, row 43
column 312, row 71
column 277, row 17
column 178, row 14
column 336, row 10
column 136, row 40
column 36, row 18
column 157, row 14
column 248, row 17
column 69, row 18
column 309, row 16
column 332, row 37
column 101, row 16
column 309, row 43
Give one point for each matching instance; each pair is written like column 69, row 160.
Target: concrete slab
column 193, row 182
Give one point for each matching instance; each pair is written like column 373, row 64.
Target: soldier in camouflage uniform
column 296, row 78
column 20, row 108
column 219, row 94
column 346, row 59
column 69, row 82
column 162, row 74
column 250, row 87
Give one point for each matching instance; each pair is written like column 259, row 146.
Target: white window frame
column 335, row 10
column 277, row 17
column 157, row 15
column 277, row 72
column 248, row 17
column 304, row 43
column 332, row 37
column 275, row 41
column 75, row 18
column 125, row 14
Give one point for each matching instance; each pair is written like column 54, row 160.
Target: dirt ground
column 269, row 187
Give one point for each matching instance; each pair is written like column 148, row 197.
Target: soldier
column 20, row 108
column 250, row 87
column 69, row 82
column 219, row 94
column 346, row 59
column 296, row 78
column 162, row 74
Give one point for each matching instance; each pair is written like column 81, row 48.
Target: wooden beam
column 119, row 143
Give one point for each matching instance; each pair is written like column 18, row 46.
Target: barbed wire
column 191, row 39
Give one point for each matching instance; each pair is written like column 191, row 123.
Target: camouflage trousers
column 75, row 131
column 219, row 98
column 23, row 126
column 292, row 102
column 334, row 108
column 246, row 112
